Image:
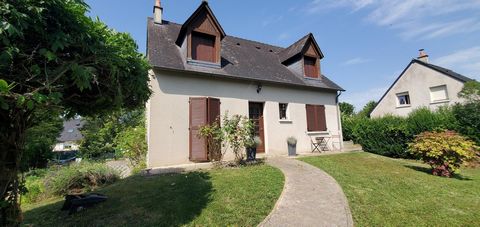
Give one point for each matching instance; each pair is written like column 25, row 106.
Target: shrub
column 468, row 117
column 132, row 144
column 387, row 136
column 348, row 124
column 443, row 151
column 214, row 136
column 79, row 178
column 423, row 119
column 34, row 189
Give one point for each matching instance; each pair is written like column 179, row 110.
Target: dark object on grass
column 74, row 203
column 251, row 153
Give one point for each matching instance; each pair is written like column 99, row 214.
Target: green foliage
column 468, row 118
column 348, row 125
column 101, row 130
column 291, row 140
column 214, row 136
column 470, row 91
column 35, row 190
column 385, row 136
column 347, row 109
column 40, row 138
column 132, row 144
column 423, row 119
column 79, row 178
column 367, row 109
column 443, row 151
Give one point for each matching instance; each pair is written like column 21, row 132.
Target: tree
column 53, row 55
column 367, row 109
column 40, row 139
column 470, row 91
column 347, row 109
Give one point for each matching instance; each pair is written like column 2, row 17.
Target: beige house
column 200, row 73
column 421, row 84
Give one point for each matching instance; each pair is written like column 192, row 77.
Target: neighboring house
column 70, row 137
column 421, row 84
column 200, row 72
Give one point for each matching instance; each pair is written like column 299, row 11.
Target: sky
column 366, row 43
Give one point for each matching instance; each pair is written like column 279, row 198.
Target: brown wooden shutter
column 311, row 125
column 321, row 119
column 310, row 66
column 213, row 110
column 198, row 118
column 316, row 119
column 203, row 47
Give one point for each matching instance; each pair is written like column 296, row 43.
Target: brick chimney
column 423, row 56
column 157, row 12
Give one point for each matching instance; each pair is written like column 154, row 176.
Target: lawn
column 241, row 197
column 392, row 192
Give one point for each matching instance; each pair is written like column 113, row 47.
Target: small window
column 282, row 108
column 403, row 99
column 438, row 93
column 203, row 47
column 67, row 146
column 310, row 67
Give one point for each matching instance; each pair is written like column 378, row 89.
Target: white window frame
column 287, row 113
column 446, row 99
column 398, row 95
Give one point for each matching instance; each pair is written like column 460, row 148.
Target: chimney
column 423, row 56
column 157, row 12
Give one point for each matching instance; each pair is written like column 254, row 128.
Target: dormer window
column 203, row 47
column 311, row 67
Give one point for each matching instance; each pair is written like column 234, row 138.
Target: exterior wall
column 61, row 146
column 417, row 81
column 168, row 114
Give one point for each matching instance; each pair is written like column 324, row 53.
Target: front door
column 255, row 112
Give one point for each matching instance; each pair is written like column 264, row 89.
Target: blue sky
column 366, row 43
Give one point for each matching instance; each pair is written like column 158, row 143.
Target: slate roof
column 296, row 48
column 241, row 59
column 71, row 130
column 445, row 71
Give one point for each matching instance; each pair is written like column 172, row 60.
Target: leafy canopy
column 52, row 53
column 470, row 91
column 347, row 109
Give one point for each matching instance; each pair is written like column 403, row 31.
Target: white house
column 421, row 84
column 70, row 136
column 200, row 72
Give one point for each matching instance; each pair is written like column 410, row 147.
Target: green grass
column 393, row 192
column 241, row 197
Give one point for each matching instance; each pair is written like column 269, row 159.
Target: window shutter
column 213, row 110
column 310, row 67
column 203, row 47
column 311, row 125
column 321, row 119
column 198, row 118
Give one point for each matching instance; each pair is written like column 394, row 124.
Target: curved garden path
column 310, row 197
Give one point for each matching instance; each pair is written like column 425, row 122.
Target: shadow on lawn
column 164, row 200
column 428, row 171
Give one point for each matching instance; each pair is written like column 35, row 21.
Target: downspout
column 339, row 121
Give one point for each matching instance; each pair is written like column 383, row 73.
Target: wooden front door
column 255, row 112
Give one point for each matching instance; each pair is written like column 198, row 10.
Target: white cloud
column 356, row 61
column 271, row 20
column 427, row 19
column 466, row 61
column 360, row 98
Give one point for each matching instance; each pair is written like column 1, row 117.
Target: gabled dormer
column 303, row 57
column 200, row 37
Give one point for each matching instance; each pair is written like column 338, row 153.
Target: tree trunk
column 14, row 123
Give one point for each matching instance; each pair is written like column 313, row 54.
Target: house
column 421, row 84
column 69, row 140
column 199, row 73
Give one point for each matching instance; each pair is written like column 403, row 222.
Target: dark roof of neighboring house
column 445, row 71
column 437, row 68
column 71, row 130
column 240, row 59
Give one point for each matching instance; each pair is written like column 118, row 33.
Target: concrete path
column 310, row 197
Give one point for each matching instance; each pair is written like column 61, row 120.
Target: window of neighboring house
column 438, row 93
column 403, row 99
column 67, row 146
column 310, row 67
column 316, row 119
column 282, row 108
column 203, row 47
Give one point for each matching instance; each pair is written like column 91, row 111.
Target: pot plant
column 292, row 146
column 252, row 148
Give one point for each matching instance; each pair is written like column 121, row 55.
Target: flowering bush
column 443, row 151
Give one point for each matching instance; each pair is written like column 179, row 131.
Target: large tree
column 52, row 54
